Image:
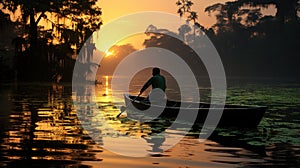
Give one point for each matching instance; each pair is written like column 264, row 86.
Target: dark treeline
column 31, row 52
column 251, row 43
column 176, row 42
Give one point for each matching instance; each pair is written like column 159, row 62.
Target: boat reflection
column 154, row 132
column 39, row 125
column 230, row 137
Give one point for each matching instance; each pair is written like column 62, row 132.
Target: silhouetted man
column 157, row 81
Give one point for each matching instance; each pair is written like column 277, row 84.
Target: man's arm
column 146, row 85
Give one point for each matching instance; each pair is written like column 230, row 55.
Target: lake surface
column 39, row 127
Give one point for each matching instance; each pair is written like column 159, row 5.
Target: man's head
column 155, row 71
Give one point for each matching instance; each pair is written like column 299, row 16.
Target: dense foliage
column 251, row 43
column 69, row 22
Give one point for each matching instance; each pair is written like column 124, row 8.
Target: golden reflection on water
column 106, row 85
column 109, row 106
column 44, row 125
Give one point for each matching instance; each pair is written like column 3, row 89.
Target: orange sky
column 113, row 9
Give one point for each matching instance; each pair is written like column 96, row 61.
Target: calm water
column 39, row 128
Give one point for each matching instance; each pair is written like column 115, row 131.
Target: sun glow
column 108, row 53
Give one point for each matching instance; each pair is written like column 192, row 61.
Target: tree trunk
column 33, row 35
column 34, row 70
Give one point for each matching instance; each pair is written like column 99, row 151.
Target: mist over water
column 39, row 125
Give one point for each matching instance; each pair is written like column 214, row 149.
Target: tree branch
column 40, row 17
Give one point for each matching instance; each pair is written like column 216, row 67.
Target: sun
column 108, row 53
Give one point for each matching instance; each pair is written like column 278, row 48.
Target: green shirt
column 156, row 81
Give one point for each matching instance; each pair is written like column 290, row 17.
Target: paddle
column 122, row 108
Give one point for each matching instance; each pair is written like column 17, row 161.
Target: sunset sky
column 113, row 9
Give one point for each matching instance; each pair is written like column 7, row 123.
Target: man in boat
column 157, row 81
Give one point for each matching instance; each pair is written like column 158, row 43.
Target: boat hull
column 232, row 115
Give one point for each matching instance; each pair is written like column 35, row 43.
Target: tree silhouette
column 286, row 10
column 166, row 39
column 6, row 47
column 185, row 8
column 246, row 38
column 72, row 23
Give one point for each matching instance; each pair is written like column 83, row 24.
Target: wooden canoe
column 232, row 115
